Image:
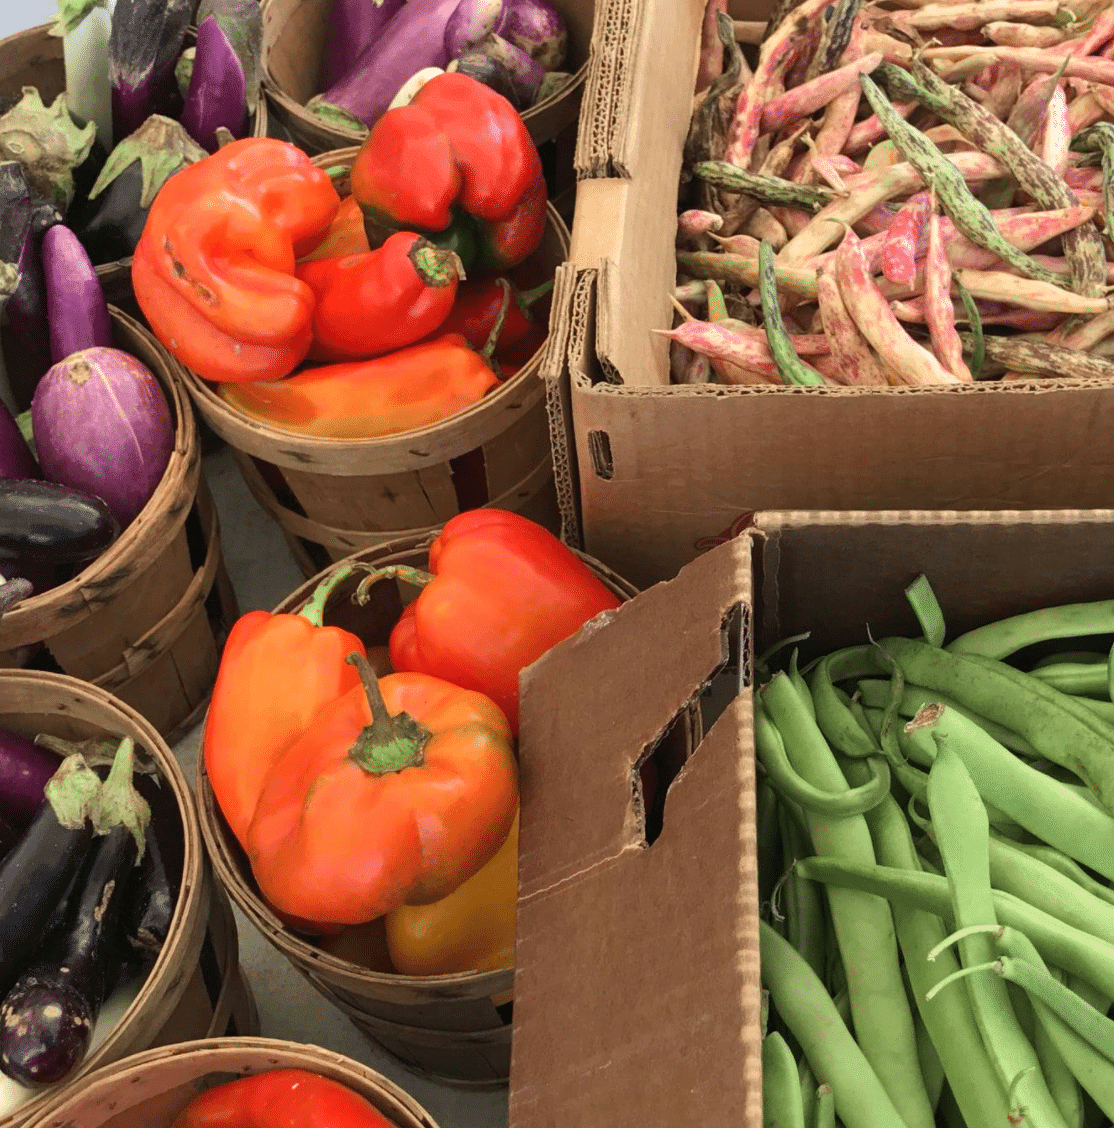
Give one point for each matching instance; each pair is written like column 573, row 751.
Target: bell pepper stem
column 407, row 575
column 528, row 298
column 388, row 744
column 314, row 609
column 488, row 352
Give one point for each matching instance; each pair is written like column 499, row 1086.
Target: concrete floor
column 263, row 572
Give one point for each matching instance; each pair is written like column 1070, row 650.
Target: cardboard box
column 649, row 475
column 636, row 989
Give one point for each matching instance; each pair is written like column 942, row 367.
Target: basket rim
column 219, row 841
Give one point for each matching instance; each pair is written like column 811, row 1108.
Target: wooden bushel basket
column 32, row 702
column 150, row 1090
column 143, row 620
column 294, row 44
column 345, row 494
column 453, row 1028
column 34, row 58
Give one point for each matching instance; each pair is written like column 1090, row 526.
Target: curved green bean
column 793, row 370
column 836, row 722
column 1062, row 1083
column 803, row 900
column 808, row 1085
column 781, row 1092
column 1080, row 679
column 1007, row 636
column 1060, row 862
column 808, row 1011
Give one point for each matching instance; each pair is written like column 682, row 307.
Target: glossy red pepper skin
column 345, row 235
column 283, row 1098
column 379, row 301
column 458, row 166
column 475, row 312
column 503, row 591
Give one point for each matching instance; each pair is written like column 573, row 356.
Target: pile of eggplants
column 377, row 56
column 98, row 418
column 85, row 897
column 140, row 105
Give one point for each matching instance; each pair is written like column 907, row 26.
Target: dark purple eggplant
column 112, row 221
column 217, row 94
column 352, row 27
column 147, row 38
column 37, row 872
column 538, row 28
column 44, row 522
column 412, row 41
column 102, row 425
column 242, row 24
column 149, row 900
column 471, row 24
column 25, row 770
column 47, row 1017
column 16, row 460
column 25, row 331
column 491, row 72
column 48, row 143
column 75, row 301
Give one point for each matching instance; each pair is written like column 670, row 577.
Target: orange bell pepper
column 277, row 672
column 472, row 929
column 345, row 236
column 213, row 271
column 397, row 794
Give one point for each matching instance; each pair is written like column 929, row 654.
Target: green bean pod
column 769, row 854
column 767, row 189
column 1062, row 1083
column 825, row 1107
column 1080, row 679
column 1004, row 637
column 839, row 727
column 802, row 901
column 863, row 925
column 793, row 370
column 808, row 1085
column 808, row 1011
column 1060, row 862
column 963, row 836
column 781, row 1092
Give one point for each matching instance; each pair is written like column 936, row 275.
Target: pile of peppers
column 391, row 801
column 370, row 316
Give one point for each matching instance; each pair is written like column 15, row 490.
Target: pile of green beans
column 936, row 855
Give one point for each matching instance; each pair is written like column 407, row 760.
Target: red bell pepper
column 458, row 166
column 476, row 310
column 379, row 301
column 499, row 593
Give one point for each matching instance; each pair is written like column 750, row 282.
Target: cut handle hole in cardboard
column 680, row 740
column 599, row 450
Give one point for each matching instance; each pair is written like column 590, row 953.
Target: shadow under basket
column 194, row 983
column 335, row 496
column 456, row 1028
column 34, row 58
column 146, row 619
column 152, row 1089
column 294, row 44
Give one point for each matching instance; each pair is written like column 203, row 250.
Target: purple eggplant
column 147, row 38
column 216, row 94
column 353, row 26
column 242, row 24
column 524, row 71
column 45, row 523
column 412, row 41
column 75, row 301
column 491, row 72
column 25, row 769
column 102, row 425
column 470, row 25
column 16, row 460
column 538, row 28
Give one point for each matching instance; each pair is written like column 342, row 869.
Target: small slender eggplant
column 46, row 1019
column 538, row 28
column 49, row 145
column 35, row 875
column 149, row 900
column 75, row 301
column 217, row 93
column 25, row 331
column 147, row 38
column 102, row 425
column 352, row 27
column 242, row 24
column 46, row 523
column 412, row 41
column 86, row 26
column 470, row 25
column 113, row 220
column 25, row 770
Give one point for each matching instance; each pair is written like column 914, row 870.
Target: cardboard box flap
column 637, row 994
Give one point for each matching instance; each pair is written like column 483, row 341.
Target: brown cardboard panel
column 834, row 574
column 637, row 996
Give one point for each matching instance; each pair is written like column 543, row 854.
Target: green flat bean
column 825, row 1107
column 975, row 342
column 1007, row 636
column 1062, row 1083
column 781, row 1092
column 808, row 1085
column 838, row 726
column 1090, row 679
column 805, row 1007
column 1060, row 862
column 863, row 925
column 963, row 837
column 769, row 857
column 1093, row 1072
column 1050, row 810
column 1060, row 728
column 768, row 189
column 1076, row 952
column 793, row 370
column 932, row 1070
column 803, row 900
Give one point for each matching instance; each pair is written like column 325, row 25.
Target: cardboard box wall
column 649, row 475
column 637, row 983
